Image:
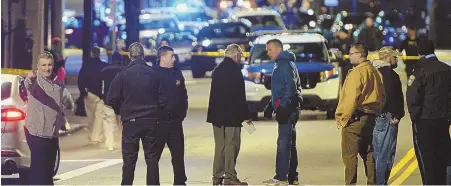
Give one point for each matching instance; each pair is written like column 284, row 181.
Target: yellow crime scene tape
column 15, row 71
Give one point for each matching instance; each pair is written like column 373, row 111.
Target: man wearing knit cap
column 385, row 131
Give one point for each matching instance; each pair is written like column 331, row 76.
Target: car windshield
column 6, row 90
column 262, row 21
column 167, row 24
column 225, row 30
column 305, row 52
column 193, row 17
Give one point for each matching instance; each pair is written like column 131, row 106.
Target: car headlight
column 328, row 74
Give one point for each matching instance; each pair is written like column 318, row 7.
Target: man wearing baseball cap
column 385, row 132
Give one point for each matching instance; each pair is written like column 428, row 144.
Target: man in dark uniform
column 410, row 45
column 170, row 119
column 370, row 35
column 136, row 92
column 429, row 103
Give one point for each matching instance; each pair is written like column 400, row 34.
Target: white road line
column 87, row 160
column 87, row 169
column 190, row 82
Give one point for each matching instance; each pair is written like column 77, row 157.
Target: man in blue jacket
column 286, row 100
column 170, row 118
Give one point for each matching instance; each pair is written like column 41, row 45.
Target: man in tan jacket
column 361, row 99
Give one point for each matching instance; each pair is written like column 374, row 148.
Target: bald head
column 136, row 51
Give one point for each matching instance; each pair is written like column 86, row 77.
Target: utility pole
column 87, row 29
column 35, row 23
column 132, row 9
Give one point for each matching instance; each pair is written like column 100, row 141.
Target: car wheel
column 254, row 116
column 330, row 113
column 57, row 162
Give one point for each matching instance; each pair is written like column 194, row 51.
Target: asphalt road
column 318, row 142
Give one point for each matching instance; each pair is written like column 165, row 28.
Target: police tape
column 206, row 54
column 373, row 57
column 15, row 71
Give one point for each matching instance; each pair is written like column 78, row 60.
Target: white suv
column 320, row 75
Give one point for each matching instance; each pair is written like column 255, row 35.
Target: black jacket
column 174, row 88
column 394, row 98
column 371, row 37
column 411, row 47
column 136, row 91
column 429, row 96
column 90, row 77
column 108, row 74
column 227, row 105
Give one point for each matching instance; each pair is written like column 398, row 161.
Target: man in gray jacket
column 46, row 97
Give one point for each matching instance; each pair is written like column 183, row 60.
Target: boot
column 234, row 181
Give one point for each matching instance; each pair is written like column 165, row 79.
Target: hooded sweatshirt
column 285, row 82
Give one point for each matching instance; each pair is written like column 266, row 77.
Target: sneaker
column 295, row 182
column 275, row 182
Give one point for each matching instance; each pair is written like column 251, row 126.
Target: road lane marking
column 87, row 160
column 412, row 167
column 410, row 154
column 87, row 169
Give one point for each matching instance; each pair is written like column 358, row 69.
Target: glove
column 267, row 113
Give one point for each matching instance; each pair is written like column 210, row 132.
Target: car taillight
column 12, row 114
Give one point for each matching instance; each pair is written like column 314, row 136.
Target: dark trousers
column 432, row 145
column 171, row 133
column 43, row 157
column 287, row 156
column 227, row 148
column 146, row 131
column 357, row 138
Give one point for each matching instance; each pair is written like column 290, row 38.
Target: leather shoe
column 235, row 181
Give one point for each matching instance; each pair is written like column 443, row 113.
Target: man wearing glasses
column 361, row 100
column 385, row 132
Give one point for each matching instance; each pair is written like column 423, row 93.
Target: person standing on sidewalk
column 385, row 132
column 362, row 98
column 171, row 117
column 136, row 92
column 286, row 101
column 46, row 99
column 111, row 118
column 227, row 110
column 429, row 104
column 90, row 82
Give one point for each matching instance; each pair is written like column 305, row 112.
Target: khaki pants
column 357, row 138
column 94, row 111
column 227, row 147
column 110, row 125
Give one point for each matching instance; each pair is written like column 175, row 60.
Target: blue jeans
column 287, row 156
column 385, row 136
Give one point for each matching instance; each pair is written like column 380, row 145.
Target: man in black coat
column 90, row 86
column 136, row 91
column 385, row 133
column 429, row 102
column 370, row 35
column 226, row 111
column 170, row 118
column 111, row 117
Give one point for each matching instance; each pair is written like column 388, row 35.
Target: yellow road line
column 412, row 167
column 410, row 154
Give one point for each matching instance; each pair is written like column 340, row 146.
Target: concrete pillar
column 57, row 28
column 35, row 22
